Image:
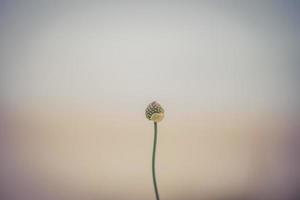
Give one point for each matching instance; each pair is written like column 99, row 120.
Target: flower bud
column 154, row 112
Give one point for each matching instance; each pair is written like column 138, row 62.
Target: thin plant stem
column 153, row 161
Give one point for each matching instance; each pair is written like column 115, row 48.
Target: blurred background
column 76, row 77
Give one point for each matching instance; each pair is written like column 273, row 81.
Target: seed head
column 155, row 112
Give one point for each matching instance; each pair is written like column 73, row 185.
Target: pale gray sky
column 206, row 55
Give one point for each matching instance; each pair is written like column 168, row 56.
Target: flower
column 155, row 112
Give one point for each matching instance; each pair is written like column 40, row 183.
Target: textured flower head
column 155, row 112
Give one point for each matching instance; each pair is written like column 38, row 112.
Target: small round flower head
column 155, row 112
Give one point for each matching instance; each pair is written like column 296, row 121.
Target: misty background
column 76, row 77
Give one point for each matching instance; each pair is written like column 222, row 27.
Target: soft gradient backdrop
column 76, row 77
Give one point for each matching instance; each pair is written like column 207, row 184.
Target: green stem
column 153, row 161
